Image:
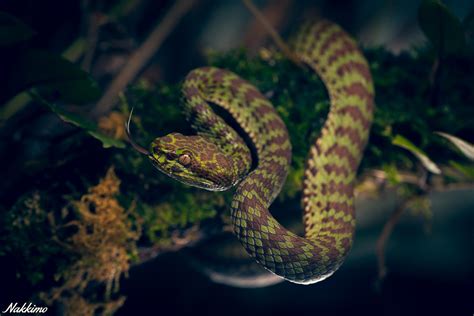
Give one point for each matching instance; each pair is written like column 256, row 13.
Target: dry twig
column 275, row 13
column 141, row 56
column 386, row 233
column 273, row 33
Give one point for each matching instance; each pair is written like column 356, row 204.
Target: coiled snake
column 217, row 158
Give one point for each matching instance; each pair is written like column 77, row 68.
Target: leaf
column 441, row 27
column 107, row 141
column 401, row 141
column 464, row 169
column 53, row 76
column 466, row 148
column 12, row 30
column 70, row 117
column 83, row 123
column 76, row 91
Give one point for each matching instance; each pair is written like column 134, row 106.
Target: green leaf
column 83, row 123
column 464, row 169
column 76, row 91
column 71, row 117
column 53, row 76
column 401, row 141
column 441, row 27
column 12, row 30
column 107, row 141
column 466, row 148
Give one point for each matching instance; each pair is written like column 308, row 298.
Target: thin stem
column 95, row 21
column 273, row 33
column 386, row 233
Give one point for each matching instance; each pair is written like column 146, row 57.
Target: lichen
column 112, row 125
column 102, row 240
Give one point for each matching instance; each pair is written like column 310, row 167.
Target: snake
column 218, row 158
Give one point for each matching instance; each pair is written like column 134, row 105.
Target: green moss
column 179, row 213
column 25, row 239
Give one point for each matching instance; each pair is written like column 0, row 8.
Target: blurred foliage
column 468, row 25
column 24, row 236
column 402, row 142
column 12, row 30
column 52, row 76
column 442, row 27
column 48, row 76
column 466, row 148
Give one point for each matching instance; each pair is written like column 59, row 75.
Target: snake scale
column 217, row 158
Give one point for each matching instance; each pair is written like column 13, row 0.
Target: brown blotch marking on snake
column 341, row 206
column 337, row 170
column 359, row 90
column 263, row 110
column 331, row 40
column 252, row 94
column 343, row 153
column 218, row 75
column 205, row 155
column 221, row 159
column 193, row 76
column 346, row 49
column 356, row 114
column 341, row 188
column 353, row 135
column 356, row 66
column 275, row 124
column 320, row 29
column 167, row 139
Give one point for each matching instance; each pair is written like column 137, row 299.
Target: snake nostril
column 171, row 155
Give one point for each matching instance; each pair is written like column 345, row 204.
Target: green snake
column 218, row 158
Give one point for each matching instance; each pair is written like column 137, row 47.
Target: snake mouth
column 180, row 176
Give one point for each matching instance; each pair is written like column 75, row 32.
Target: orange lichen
column 76, row 304
column 103, row 240
column 113, row 125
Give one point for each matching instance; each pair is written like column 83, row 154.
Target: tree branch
column 141, row 56
column 273, row 33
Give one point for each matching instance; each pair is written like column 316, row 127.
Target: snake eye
column 184, row 159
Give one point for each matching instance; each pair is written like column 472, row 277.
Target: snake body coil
column 217, row 158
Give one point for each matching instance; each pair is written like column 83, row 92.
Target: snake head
column 193, row 160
